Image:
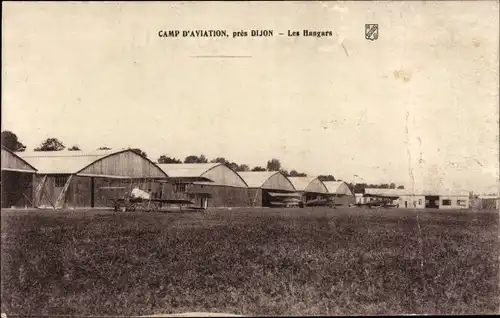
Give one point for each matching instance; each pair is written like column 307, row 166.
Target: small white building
column 360, row 198
column 454, row 201
column 489, row 202
column 417, row 200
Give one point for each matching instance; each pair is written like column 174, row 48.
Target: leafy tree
column 191, row 159
column 326, row 178
column 383, row 186
column 220, row 160
column 233, row 166
column 74, row 148
column 359, row 188
column 51, row 144
column 294, row 173
column 243, row 168
column 139, row 152
column 165, row 159
column 104, row 148
column 11, row 142
column 258, row 168
column 274, row 165
column 401, row 187
column 195, row 159
column 284, row 172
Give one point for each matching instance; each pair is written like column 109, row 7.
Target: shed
column 73, row 178
column 340, row 190
column 420, row 199
column 225, row 186
column 389, row 193
column 17, row 180
column 215, row 173
column 273, row 187
column 311, row 188
column 489, row 202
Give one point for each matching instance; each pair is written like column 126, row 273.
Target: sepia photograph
column 250, row 158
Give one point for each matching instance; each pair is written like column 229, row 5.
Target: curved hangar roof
column 100, row 163
column 308, row 184
column 337, row 187
column 267, row 180
column 12, row 162
column 215, row 173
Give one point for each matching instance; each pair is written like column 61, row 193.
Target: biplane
column 383, row 201
column 377, row 203
column 284, row 200
column 285, row 203
column 328, row 202
column 135, row 199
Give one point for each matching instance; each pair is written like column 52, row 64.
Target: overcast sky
column 420, row 103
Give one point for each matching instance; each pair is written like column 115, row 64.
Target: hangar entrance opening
column 277, row 198
column 17, row 189
column 432, row 201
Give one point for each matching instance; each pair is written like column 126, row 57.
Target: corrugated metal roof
column 488, row 196
column 337, row 187
column 386, row 192
column 401, row 192
column 443, row 192
column 63, row 162
column 184, row 170
column 309, row 184
column 301, row 183
column 12, row 162
column 255, row 179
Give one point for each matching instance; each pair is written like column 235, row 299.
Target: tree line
column 12, row 142
column 360, row 187
column 272, row 165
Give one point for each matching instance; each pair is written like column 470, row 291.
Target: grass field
column 251, row 262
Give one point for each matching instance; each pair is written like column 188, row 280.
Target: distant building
column 360, row 198
column 488, row 202
column 271, row 188
column 310, row 188
column 340, row 191
column 417, row 200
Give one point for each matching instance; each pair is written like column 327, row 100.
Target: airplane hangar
column 74, row 178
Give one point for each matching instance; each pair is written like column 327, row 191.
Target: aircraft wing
column 321, row 202
column 277, row 203
column 172, row 201
column 382, row 196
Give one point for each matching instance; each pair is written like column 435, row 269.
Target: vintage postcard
column 250, row 158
